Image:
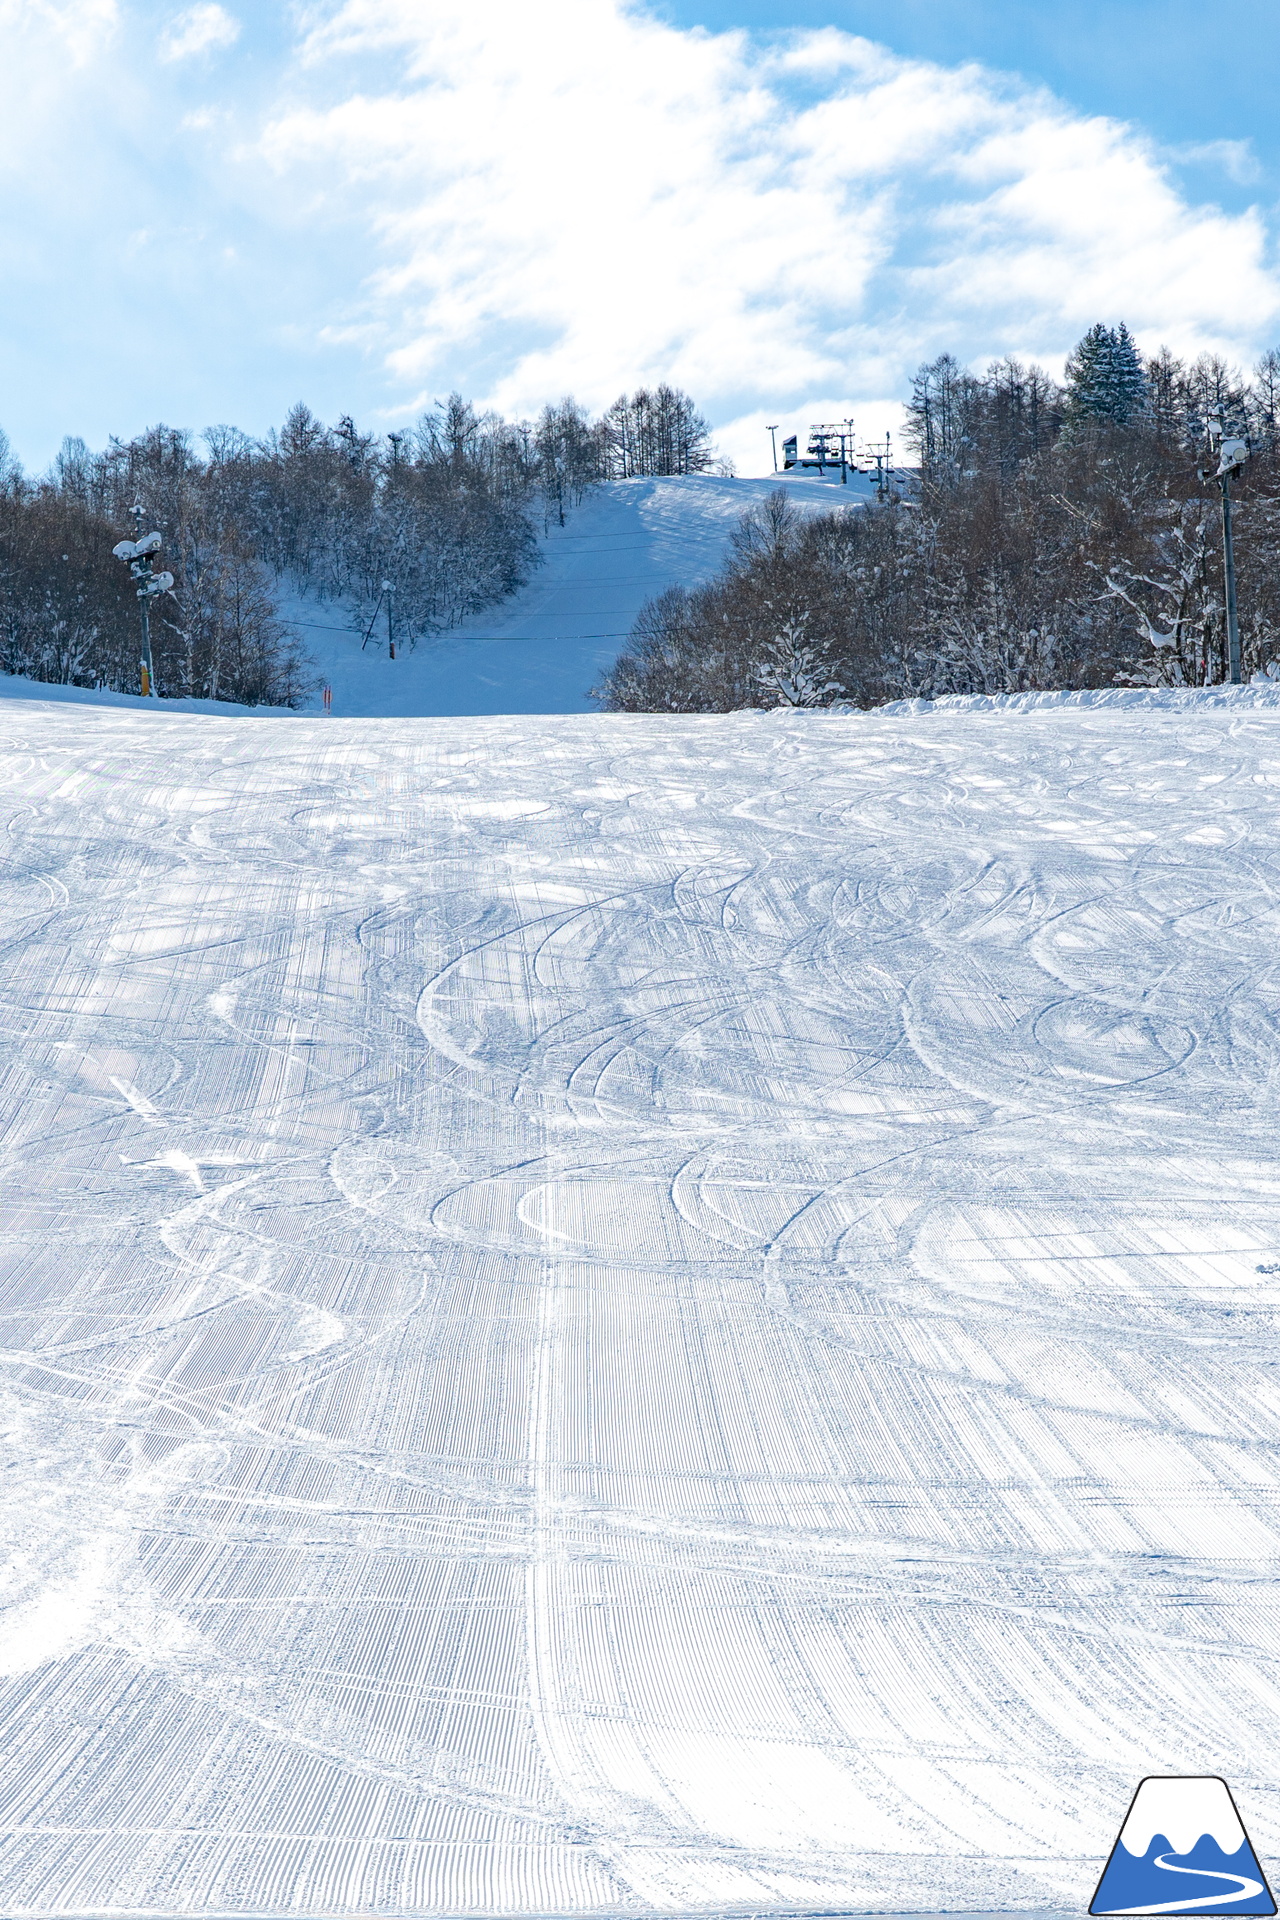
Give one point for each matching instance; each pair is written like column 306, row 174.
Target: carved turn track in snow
column 618, row 1313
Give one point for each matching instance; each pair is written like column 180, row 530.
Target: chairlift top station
column 836, row 446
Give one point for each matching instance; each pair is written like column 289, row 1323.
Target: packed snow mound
column 618, row 1313
column 1259, row 693
column 15, row 686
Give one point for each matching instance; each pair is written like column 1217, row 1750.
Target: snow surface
column 543, row 650
column 15, row 686
column 617, row 1312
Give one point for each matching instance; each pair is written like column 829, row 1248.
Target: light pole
column 773, row 438
column 389, row 590
column 1232, row 454
column 151, row 585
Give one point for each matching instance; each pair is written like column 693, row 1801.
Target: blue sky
column 214, row 210
column 1191, row 72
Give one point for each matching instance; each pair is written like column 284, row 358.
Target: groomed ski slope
column 624, row 1313
column 543, row 650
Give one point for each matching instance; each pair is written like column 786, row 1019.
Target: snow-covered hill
column 611, row 1313
column 545, row 648
column 542, row 650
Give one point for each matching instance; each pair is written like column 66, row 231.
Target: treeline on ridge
column 1057, row 535
column 446, row 512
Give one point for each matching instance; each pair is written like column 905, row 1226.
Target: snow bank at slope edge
column 1264, row 694
column 15, row 686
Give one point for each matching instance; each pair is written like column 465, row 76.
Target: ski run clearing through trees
column 612, row 1313
column 543, row 650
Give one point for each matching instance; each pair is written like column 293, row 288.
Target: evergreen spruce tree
column 1088, row 367
column 1105, row 377
column 1128, row 379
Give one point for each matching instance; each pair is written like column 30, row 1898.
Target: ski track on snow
column 612, row 1313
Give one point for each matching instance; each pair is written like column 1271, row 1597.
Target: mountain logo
column 1182, row 1849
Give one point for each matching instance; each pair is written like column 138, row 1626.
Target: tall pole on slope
column 1229, row 570
column 139, row 556
column 389, row 590
column 773, row 437
column 1232, row 454
column 141, row 571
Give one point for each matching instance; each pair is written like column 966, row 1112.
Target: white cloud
column 1235, row 158
column 617, row 199
column 76, row 28
column 47, row 37
column 522, row 201
column 205, row 29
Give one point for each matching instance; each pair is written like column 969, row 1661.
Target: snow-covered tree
column 658, row 431
column 792, row 671
column 941, row 422
column 1105, row 376
column 784, row 623
column 231, row 643
column 66, row 613
column 568, row 456
column 1264, row 403
column 1170, row 588
column 1215, row 391
column 961, row 424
